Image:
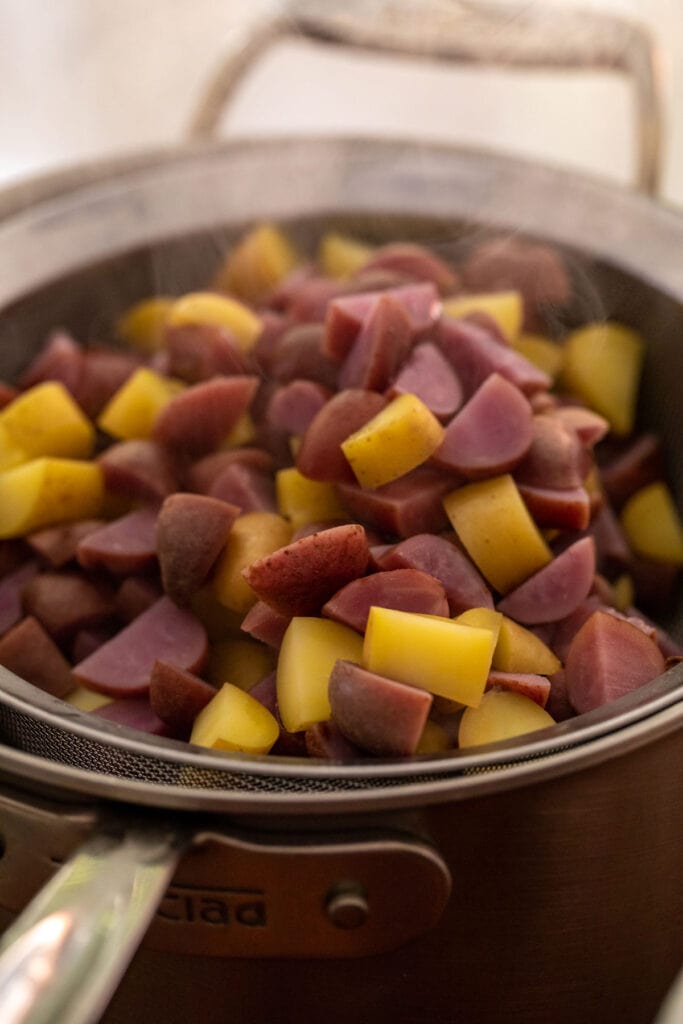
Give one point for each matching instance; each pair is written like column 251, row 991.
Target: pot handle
column 64, row 956
column 468, row 32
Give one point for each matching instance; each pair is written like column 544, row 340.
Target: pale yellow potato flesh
column 304, row 501
column 46, row 420
column 601, row 365
column 142, row 325
column 253, row 535
column 262, row 258
column 497, row 531
column 218, row 311
column 46, row 491
column 501, row 715
column 506, row 308
column 131, row 412
column 232, row 720
column 652, row 524
column 341, row 256
column 520, row 650
column 310, row 648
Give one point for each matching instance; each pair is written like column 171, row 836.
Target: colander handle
column 64, row 956
column 536, row 37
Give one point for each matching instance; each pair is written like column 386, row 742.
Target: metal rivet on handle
column 347, row 906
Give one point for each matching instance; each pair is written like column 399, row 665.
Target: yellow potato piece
column 652, row 524
column 219, row 310
column 547, row 355
column 304, row 501
column 430, row 652
column 244, row 432
column 501, row 715
column 434, row 739
column 87, row 700
column 142, row 326
column 238, row 661
column 252, row 536
column 310, row 648
column 497, row 531
column 341, row 256
column 506, row 308
column 133, row 410
column 601, row 365
column 520, row 650
column 45, row 420
column 396, row 440
column 260, row 261
column 484, row 618
column 232, row 720
column 10, row 453
column 624, row 593
column 46, row 491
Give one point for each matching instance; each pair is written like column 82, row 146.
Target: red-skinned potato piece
column 177, row 696
column 320, row 456
column 136, row 713
column 475, row 354
column 536, row 687
column 411, row 260
column 192, row 530
column 407, row 590
column 58, row 544
column 198, row 419
column 31, row 653
column 345, row 315
column 556, row 590
column 138, row 469
column 464, row 586
column 124, row 546
column 293, row 406
column 197, row 352
column 135, row 595
column 375, row 713
column 631, row 467
column 64, row 602
column 534, row 269
column 105, row 370
column 379, row 350
column 299, row 355
column 428, row 374
column 609, row 657
column 60, row 359
column 490, row 434
column 299, row 578
column 244, row 487
column 326, row 740
column 122, row 667
column 265, row 624
column 202, row 473
column 555, row 458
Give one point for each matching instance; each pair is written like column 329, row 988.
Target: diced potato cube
column 142, row 326
column 45, row 420
column 46, row 491
column 341, row 256
column 506, row 308
column 547, row 355
column 260, row 261
column 653, row 525
column 433, row 653
column 238, row 661
column 601, row 365
column 497, row 531
column 520, row 650
column 232, row 720
column 310, row 648
column 220, row 310
column 252, row 536
column 87, row 700
column 624, row 592
column 399, row 438
column 133, row 410
column 501, row 715
column 304, row 501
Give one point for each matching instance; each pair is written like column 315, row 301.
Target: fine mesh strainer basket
column 246, row 859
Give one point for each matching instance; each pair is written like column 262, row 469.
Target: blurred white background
column 83, row 79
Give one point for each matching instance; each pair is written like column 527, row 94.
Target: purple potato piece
column 299, row 355
column 320, row 456
column 60, row 359
column 326, row 740
column 201, row 417
column 556, row 590
column 265, row 624
column 30, row 652
column 428, row 374
column 564, row 509
column 464, row 586
column 202, row 473
column 475, row 354
column 198, row 352
column 412, row 504
column 375, row 713
column 124, row 546
column 135, row 595
column 408, row 590
column 191, row 532
column 177, row 696
column 415, row 261
column 293, row 406
column 556, row 457
column 639, row 463
column 122, row 667
column 59, row 544
column 490, row 434
column 11, row 590
column 529, row 684
column 380, row 349
column 64, row 602
column 136, row 713
column 609, row 657
column 139, row 469
column 105, row 370
column 245, row 488
column 345, row 315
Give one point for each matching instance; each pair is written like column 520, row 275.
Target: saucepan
column 532, row 881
